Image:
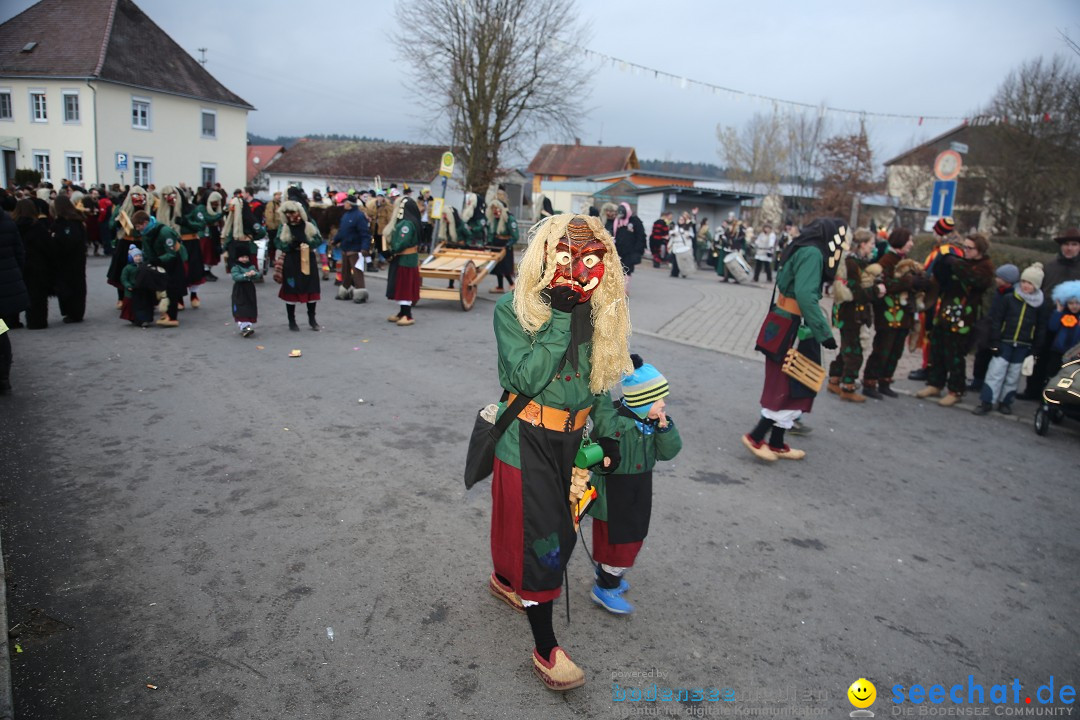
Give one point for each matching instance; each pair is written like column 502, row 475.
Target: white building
column 96, row 92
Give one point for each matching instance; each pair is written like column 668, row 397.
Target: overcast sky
column 329, row 67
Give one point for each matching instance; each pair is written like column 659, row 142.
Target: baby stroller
column 1061, row 398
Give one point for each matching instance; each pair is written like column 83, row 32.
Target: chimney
column 577, row 142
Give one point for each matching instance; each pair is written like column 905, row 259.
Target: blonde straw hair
column 610, row 356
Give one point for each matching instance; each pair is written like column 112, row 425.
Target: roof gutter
column 93, row 108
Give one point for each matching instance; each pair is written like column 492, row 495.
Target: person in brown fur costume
column 856, row 286
column 894, row 314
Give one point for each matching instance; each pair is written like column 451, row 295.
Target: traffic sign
column 447, row 167
column 959, row 147
column 944, row 195
column 947, row 165
column 121, row 161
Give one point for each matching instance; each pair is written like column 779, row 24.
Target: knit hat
column 1066, row 291
column 133, row 252
column 643, row 387
column 944, row 226
column 1033, row 275
column 1009, row 273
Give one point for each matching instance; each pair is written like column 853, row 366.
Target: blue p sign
column 121, row 161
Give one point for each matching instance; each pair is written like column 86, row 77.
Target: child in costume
column 1017, row 325
column 623, row 506
column 1064, row 322
column 245, row 307
column 137, row 305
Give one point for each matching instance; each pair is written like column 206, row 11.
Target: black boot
column 982, row 408
column 291, row 312
column 311, row 316
column 885, row 388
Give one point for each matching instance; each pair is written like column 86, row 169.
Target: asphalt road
column 193, row 511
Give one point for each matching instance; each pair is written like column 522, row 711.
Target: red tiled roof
column 259, row 156
column 582, row 160
column 361, row 159
column 109, row 40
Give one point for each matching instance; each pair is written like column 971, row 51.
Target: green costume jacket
column 511, row 236
column 800, row 279
column 527, row 366
column 194, row 223
column 640, row 453
column 127, row 278
column 477, row 232
column 406, row 235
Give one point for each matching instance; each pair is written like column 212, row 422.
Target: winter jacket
column 1017, row 323
column 354, row 233
column 1067, row 329
column 13, row 296
column 1058, row 271
column 629, row 241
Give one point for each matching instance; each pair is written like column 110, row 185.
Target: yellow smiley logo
column 862, row 693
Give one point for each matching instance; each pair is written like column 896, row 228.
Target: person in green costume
column 562, row 340
column 796, row 319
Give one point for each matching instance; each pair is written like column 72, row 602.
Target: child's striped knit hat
column 643, row 387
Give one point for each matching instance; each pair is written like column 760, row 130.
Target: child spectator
column 624, row 505
column 245, row 307
column 1005, row 276
column 1065, row 322
column 1016, row 326
column 137, row 305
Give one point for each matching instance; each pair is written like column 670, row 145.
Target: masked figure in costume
column 562, row 337
column 795, row 320
column 124, row 237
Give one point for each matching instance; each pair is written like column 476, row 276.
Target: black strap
column 515, row 408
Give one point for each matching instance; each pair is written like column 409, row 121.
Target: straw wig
column 610, row 356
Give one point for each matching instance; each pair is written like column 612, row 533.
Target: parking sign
column 121, row 161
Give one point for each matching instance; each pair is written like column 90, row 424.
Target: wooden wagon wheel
column 468, row 285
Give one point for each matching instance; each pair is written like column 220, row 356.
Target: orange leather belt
column 551, row 418
column 189, row 236
column 788, row 305
column 408, row 251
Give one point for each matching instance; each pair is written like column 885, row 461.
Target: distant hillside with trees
column 289, row 140
column 676, row 167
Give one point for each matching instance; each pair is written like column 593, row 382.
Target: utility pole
column 202, row 54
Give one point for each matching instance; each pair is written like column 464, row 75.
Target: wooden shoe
column 834, row 385
column 195, row 302
column 758, row 448
column 949, row 400
column 787, row 452
column 166, row 322
column 929, row 391
column 405, row 322
column 505, row 593
column 560, row 673
column 119, row 304
column 394, row 318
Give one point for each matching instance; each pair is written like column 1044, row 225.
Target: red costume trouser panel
column 609, row 553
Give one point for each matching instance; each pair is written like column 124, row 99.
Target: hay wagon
column 467, row 266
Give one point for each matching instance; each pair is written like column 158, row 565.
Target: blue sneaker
column 623, row 585
column 611, row 601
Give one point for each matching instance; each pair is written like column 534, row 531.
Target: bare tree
column 756, row 154
column 847, row 172
column 500, row 71
column 1033, row 149
column 805, row 135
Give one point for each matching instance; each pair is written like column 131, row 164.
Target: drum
column 737, row 267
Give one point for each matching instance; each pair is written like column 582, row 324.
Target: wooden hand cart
column 467, row 266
